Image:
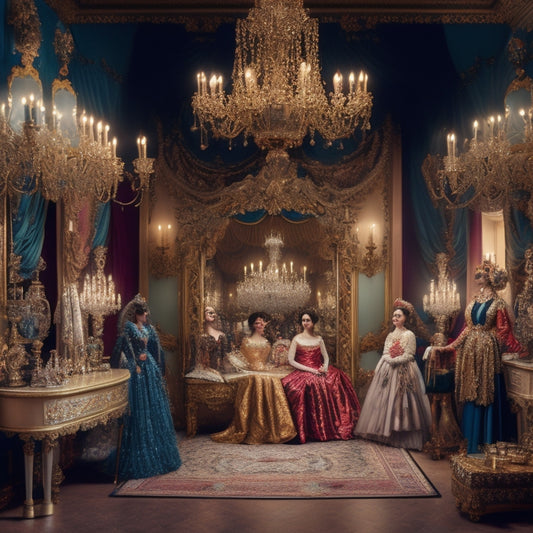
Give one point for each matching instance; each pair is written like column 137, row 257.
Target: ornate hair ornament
column 496, row 276
column 128, row 313
column 399, row 302
column 415, row 322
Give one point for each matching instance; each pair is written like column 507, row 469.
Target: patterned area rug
column 339, row 469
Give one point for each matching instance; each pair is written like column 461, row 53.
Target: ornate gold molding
column 205, row 198
column 354, row 15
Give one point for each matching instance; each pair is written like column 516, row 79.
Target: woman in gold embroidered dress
column 396, row 409
column 255, row 349
column 262, row 413
column 479, row 384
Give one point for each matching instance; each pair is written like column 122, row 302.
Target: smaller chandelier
column 490, row 168
column 278, row 96
column 276, row 289
column 443, row 301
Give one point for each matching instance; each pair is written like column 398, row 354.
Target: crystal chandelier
column 275, row 289
column 489, row 170
column 41, row 157
column 98, row 296
column 278, row 96
column 443, row 301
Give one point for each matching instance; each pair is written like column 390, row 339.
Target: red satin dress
column 323, row 407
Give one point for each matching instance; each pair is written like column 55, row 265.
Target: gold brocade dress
column 262, row 414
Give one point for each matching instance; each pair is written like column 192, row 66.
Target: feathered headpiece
column 128, row 313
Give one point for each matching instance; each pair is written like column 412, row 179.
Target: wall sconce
column 163, row 258
column 366, row 260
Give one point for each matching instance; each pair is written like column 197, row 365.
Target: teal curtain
column 101, row 225
column 28, row 231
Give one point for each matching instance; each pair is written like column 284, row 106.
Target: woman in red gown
column 322, row 400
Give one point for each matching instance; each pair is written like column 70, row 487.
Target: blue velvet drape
column 28, row 231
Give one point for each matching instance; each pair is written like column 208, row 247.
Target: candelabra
column 443, row 300
column 278, row 96
column 98, row 298
column 275, row 289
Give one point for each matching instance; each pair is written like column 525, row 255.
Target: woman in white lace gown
column 396, row 409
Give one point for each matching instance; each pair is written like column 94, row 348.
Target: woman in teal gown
column 148, row 444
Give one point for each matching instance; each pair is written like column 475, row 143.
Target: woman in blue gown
column 148, row 444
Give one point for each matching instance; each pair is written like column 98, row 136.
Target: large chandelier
column 490, row 168
column 276, row 288
column 278, row 95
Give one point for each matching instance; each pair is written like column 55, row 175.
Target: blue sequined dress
column 148, row 445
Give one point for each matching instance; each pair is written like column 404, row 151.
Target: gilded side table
column 216, row 396
column 47, row 413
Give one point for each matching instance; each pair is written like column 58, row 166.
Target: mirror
column 306, row 270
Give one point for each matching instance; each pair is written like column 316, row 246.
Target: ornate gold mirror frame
column 205, row 198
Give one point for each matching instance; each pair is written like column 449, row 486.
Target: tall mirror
column 276, row 266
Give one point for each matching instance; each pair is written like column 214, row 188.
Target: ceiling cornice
column 197, row 14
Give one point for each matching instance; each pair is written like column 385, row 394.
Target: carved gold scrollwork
column 205, row 199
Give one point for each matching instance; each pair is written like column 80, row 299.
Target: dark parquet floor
column 85, row 506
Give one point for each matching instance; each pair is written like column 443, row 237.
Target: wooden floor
column 85, row 506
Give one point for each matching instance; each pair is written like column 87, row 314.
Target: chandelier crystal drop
column 278, row 95
column 276, row 289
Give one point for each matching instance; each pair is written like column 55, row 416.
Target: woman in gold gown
column 261, row 410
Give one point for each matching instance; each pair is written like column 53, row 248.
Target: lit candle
column 106, row 134
column 291, row 267
column 352, row 84
column 32, row 109
column 139, row 147
column 366, row 83
column 213, row 84
column 99, row 129
column 305, row 273
column 114, row 147
column 337, row 83
column 198, row 82
column 84, row 124
column 91, row 129
column 251, row 268
column 360, row 80
column 476, row 127
column 245, row 271
column 160, row 233
column 452, row 139
column 219, row 84
column 260, row 266
column 143, row 147
column 203, row 80
column 26, row 110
